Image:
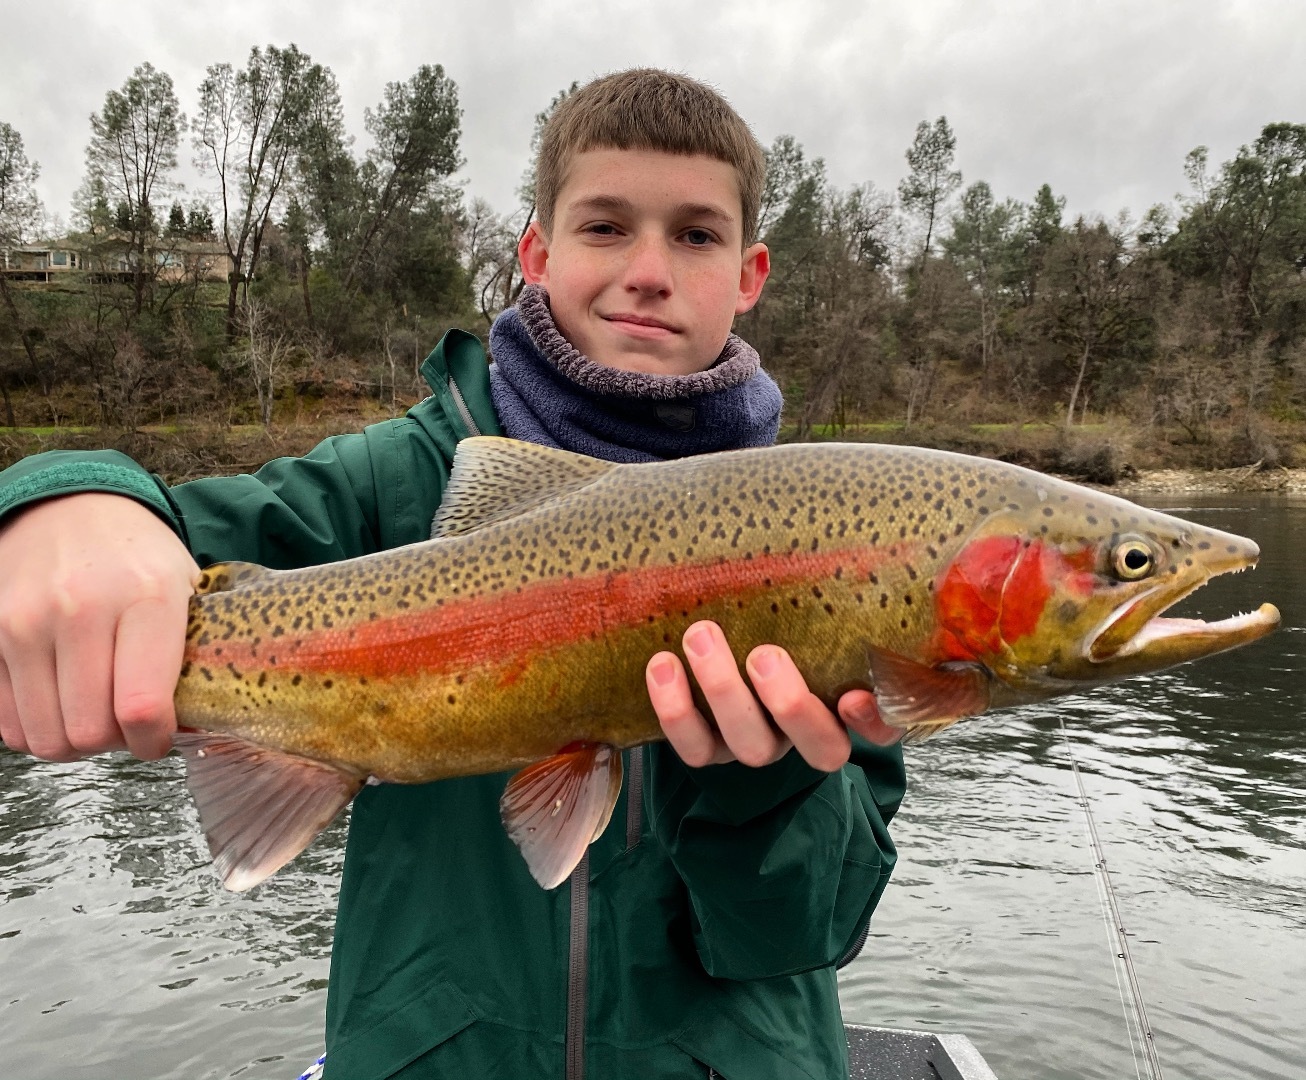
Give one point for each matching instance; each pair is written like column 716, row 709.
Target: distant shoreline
column 1249, row 480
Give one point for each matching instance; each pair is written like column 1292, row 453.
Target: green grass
column 39, row 432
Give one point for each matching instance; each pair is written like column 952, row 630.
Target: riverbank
column 1101, row 456
column 1213, row 481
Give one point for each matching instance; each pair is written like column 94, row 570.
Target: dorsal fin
column 219, row 577
column 494, row 479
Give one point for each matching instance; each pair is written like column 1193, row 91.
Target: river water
column 120, row 957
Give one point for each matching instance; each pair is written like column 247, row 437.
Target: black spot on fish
column 327, row 684
column 296, row 680
column 1047, row 511
column 1205, row 545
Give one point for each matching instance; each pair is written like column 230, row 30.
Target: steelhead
column 517, row 638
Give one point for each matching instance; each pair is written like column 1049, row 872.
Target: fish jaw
column 1162, row 643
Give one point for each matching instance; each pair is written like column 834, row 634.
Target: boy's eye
column 601, row 228
column 698, row 237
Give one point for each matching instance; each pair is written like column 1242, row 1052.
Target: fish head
column 1069, row 591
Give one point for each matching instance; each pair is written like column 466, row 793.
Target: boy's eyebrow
column 620, row 205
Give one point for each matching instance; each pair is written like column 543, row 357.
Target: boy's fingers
column 147, row 663
column 33, row 682
column 744, row 727
column 860, row 712
column 689, row 734
column 11, row 731
column 815, row 731
column 84, row 669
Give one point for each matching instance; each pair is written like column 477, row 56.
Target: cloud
column 1100, row 100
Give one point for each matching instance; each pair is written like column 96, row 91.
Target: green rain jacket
column 703, row 929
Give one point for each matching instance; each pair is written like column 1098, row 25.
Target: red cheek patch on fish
column 968, row 601
column 997, row 589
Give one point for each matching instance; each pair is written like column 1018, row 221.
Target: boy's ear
column 533, row 254
column 754, row 271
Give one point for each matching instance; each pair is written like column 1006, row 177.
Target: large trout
column 518, row 637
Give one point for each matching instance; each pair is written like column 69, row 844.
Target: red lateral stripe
column 505, row 629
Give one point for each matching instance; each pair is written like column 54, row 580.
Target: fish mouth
column 1139, row 638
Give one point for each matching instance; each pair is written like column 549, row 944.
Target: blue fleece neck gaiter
column 547, row 392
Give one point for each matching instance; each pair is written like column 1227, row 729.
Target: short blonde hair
column 649, row 109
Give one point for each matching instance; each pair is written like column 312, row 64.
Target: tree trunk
column 303, row 284
column 9, row 405
column 1079, row 382
column 233, row 284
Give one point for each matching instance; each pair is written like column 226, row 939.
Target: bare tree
column 20, row 211
column 1093, row 303
column 248, row 132
column 132, row 150
column 269, row 351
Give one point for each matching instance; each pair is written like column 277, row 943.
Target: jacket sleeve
column 324, row 506
column 784, row 864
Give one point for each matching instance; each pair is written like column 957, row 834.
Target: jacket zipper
column 463, row 410
column 578, row 951
column 635, row 797
column 578, row 969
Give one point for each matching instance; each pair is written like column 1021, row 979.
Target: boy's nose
column 649, row 267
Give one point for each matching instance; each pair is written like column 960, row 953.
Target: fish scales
column 462, row 641
column 525, row 627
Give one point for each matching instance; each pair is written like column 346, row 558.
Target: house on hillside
column 110, row 256
column 38, row 262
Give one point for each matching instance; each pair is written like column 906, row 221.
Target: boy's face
column 645, row 264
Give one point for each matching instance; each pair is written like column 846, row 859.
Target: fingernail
column 699, row 642
column 663, row 672
column 764, row 663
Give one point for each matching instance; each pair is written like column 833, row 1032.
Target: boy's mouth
column 641, row 325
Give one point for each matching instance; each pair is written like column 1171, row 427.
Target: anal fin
column 553, row 810
column 259, row 808
column 924, row 700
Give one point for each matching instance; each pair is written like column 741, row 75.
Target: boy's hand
column 742, row 731
column 93, row 607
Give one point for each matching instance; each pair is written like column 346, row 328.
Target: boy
column 701, row 930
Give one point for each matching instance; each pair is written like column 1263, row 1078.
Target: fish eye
column 1133, row 560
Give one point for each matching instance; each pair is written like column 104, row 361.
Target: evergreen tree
column 933, row 180
column 176, row 220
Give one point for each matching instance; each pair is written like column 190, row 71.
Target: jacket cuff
column 81, row 476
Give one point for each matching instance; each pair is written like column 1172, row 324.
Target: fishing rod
column 1115, row 924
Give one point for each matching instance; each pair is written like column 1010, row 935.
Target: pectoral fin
column 259, row 808
column 924, row 700
column 553, row 810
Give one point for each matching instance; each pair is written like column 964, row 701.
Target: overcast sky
column 1100, row 99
